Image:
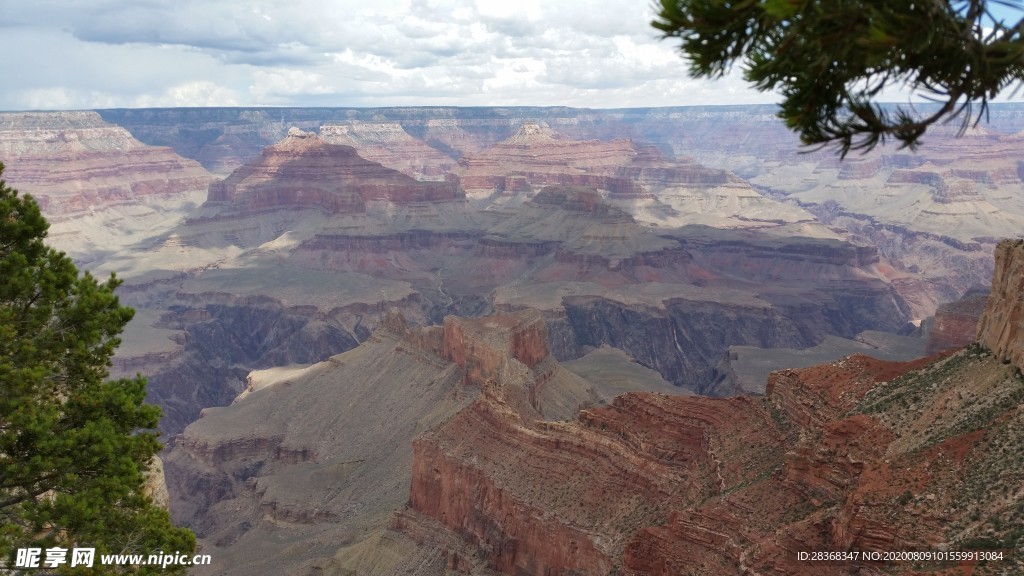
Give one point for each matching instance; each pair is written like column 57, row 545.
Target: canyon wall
column 857, row 454
column 934, row 220
column 955, row 324
column 74, row 162
column 596, row 233
column 100, row 188
column 323, row 453
column 318, row 454
column 303, row 170
column 655, row 484
column 1001, row 327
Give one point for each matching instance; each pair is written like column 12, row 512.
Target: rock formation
column 503, row 473
column 101, row 189
column 156, row 485
column 673, row 485
column 308, row 243
column 317, row 458
column 859, row 455
column 536, row 156
column 461, row 447
column 637, row 178
column 934, row 215
column 1001, row 327
column 324, row 454
column 74, row 162
column 391, row 146
column 303, row 170
column 955, row 324
column 572, row 252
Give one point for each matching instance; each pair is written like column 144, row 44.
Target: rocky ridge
column 100, row 188
column 859, row 455
column 1001, row 328
column 508, row 476
column 390, row 145
column 672, row 485
column 955, row 324
column 254, row 471
column 636, row 178
column 936, row 228
column 303, row 170
column 74, row 162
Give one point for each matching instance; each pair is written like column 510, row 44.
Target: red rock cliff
column 845, row 456
column 73, row 162
column 955, row 324
column 483, row 346
column 304, row 171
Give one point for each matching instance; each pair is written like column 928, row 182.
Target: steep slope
column 464, row 449
column 859, row 456
column 638, row 179
column 100, row 188
column 933, row 215
column 390, row 145
column 303, row 170
column 316, row 458
column 1001, row 327
column 955, row 324
column 309, row 470
column 320, row 456
column 253, row 278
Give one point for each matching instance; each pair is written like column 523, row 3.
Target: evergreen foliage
column 832, row 59
column 74, row 447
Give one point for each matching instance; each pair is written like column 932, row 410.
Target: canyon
column 513, row 464
column 933, row 220
column 295, row 255
column 547, row 340
column 100, row 188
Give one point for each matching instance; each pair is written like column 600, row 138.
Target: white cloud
column 75, row 54
column 202, row 93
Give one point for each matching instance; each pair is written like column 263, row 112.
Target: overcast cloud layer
column 70, row 54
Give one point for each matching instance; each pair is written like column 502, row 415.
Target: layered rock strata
column 303, row 170
column 74, row 162
column 933, row 218
column 101, row 189
column 637, row 178
column 315, row 456
column 859, row 455
column 391, row 146
column 505, row 474
column 1001, row 327
column 955, row 324
column 323, row 454
column 666, row 485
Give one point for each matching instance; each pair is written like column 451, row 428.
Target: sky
column 85, row 54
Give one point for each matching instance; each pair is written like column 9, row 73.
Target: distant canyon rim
column 380, row 336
